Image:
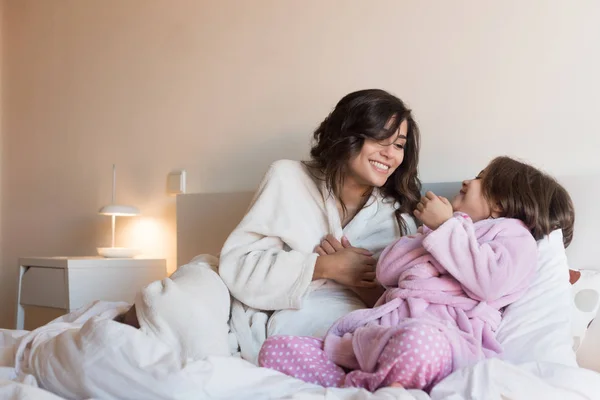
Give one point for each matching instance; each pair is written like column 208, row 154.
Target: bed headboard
column 204, row 220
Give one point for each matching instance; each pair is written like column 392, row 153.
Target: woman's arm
column 330, row 246
column 257, row 266
column 258, row 263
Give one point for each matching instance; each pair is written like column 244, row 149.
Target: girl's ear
column 497, row 210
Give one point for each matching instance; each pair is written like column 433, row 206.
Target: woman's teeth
column 379, row 165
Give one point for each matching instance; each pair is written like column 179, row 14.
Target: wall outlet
column 176, row 182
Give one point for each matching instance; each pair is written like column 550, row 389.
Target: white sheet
column 494, row 379
column 96, row 357
column 87, row 355
column 11, row 390
column 105, row 359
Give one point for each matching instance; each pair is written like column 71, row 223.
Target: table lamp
column 117, row 210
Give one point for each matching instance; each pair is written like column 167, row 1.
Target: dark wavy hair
column 359, row 116
column 528, row 194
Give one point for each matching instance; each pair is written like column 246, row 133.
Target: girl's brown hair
column 526, row 193
column 363, row 115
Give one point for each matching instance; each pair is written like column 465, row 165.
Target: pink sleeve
column 397, row 258
column 500, row 264
column 385, row 274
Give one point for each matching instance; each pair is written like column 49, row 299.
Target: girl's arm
column 399, row 257
column 369, row 296
column 501, row 263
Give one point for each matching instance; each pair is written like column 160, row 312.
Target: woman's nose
column 386, row 151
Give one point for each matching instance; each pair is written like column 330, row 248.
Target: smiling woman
column 369, row 136
column 297, row 270
column 314, row 261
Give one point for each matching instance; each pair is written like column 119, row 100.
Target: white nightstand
column 68, row 283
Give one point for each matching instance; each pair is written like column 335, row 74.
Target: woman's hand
column 347, row 265
column 433, row 210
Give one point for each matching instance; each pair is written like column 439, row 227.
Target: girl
column 446, row 286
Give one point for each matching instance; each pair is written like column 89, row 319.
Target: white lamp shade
column 119, row 210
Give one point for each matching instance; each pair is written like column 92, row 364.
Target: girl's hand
column 369, row 294
column 347, row 265
column 433, row 210
column 330, row 245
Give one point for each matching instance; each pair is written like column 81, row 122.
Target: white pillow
column 588, row 354
column 188, row 310
column 537, row 327
column 585, row 304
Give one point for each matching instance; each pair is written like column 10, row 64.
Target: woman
column 306, row 249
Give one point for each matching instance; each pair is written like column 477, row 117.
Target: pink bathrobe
column 458, row 278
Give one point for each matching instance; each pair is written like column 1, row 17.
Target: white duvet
column 97, row 358
column 87, row 355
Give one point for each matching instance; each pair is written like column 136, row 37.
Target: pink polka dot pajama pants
column 417, row 357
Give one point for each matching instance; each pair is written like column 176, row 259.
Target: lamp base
column 117, row 252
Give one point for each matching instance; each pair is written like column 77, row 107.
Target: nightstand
column 68, row 283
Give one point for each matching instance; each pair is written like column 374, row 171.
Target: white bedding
column 87, row 355
column 96, row 357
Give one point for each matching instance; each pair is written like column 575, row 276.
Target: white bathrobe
column 268, row 260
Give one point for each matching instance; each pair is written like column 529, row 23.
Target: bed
column 87, row 355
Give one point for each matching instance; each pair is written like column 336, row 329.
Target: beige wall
column 222, row 88
column 4, row 287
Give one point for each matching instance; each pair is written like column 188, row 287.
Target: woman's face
column 378, row 160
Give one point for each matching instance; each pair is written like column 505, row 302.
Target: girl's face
column 378, row 160
column 471, row 201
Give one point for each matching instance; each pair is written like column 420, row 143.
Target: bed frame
column 204, row 220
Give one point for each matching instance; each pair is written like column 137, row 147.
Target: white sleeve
column 256, row 263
